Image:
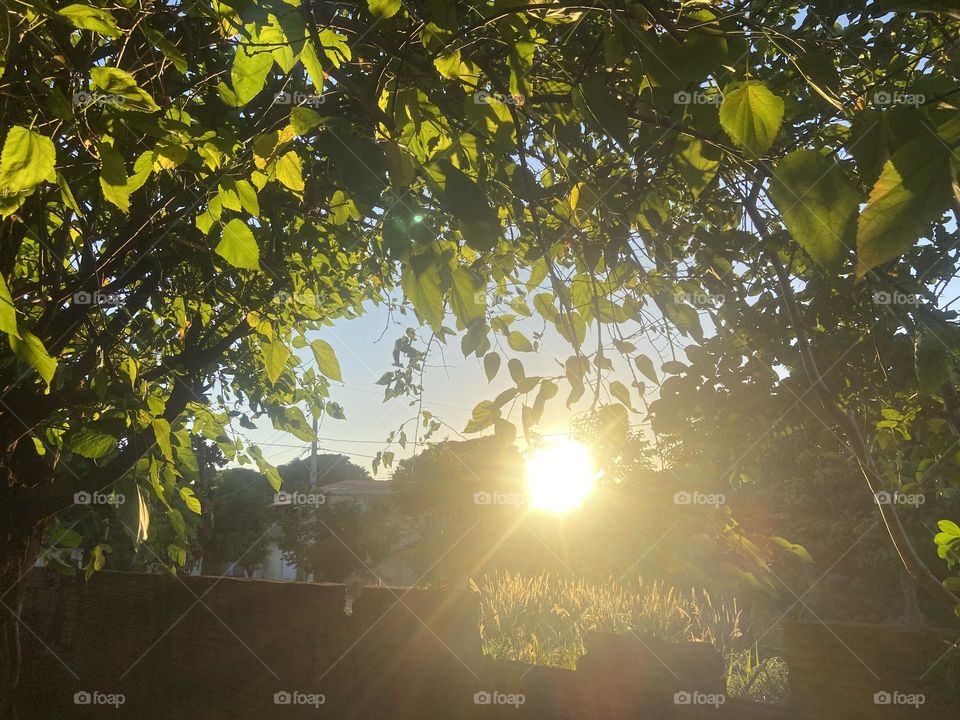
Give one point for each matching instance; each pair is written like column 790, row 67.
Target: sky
column 453, row 386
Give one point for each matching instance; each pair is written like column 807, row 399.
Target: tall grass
column 543, row 620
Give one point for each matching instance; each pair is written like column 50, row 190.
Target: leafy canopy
column 190, row 192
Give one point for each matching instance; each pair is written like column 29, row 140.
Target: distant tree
column 335, row 539
column 236, row 524
column 210, row 458
column 332, row 468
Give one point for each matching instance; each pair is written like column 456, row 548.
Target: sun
column 560, row 476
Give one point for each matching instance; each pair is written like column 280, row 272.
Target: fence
column 148, row 647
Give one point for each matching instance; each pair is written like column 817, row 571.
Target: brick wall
column 209, row 648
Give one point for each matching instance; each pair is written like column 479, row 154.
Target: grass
column 543, row 620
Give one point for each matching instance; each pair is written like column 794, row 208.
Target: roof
column 359, row 488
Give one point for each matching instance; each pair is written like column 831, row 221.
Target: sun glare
column 560, row 476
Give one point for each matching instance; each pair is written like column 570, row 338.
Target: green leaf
column 674, row 367
column 90, row 443
column 335, row 47
column 98, row 559
column 161, row 430
column 293, row 421
column 621, row 393
column 238, row 246
column 289, row 171
column 8, row 311
column 326, row 359
column 869, row 144
column 28, row 158
column 949, row 527
column 491, row 365
column 122, row 89
column 177, row 522
column 819, row 204
column 251, row 65
column 645, row 365
column 517, row 373
column 248, row 197
column 335, row 411
column 422, row 288
column 912, row 191
column 303, row 120
column 483, row 415
column 383, row 9
column 798, row 550
column 602, row 110
column 91, row 18
column 177, row 554
column 28, row 349
column 467, row 298
column 190, row 499
column 751, row 116
column 697, row 162
column 448, row 65
column 275, row 356
column 113, row 177
column 266, row 468
column 466, row 200
column 519, row 342
column 311, row 63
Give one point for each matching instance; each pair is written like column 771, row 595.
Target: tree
column 189, row 192
column 332, row 468
column 238, row 515
column 335, row 541
column 330, row 538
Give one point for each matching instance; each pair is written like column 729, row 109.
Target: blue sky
column 453, row 385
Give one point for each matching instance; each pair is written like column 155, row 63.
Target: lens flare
column 560, row 476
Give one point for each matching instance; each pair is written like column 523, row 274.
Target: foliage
column 238, row 516
column 191, row 192
column 336, row 539
column 543, row 620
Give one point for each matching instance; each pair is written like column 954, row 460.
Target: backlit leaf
column 26, row 161
column 819, row 204
column 751, row 116
column 238, row 246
